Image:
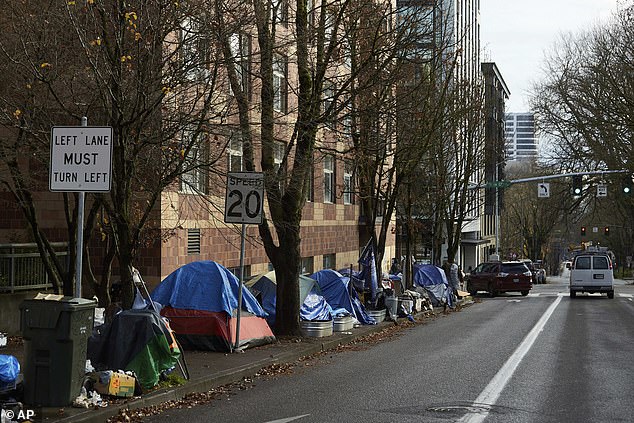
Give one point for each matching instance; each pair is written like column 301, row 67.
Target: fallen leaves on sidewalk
column 272, row 371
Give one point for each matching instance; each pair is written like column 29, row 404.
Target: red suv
column 496, row 277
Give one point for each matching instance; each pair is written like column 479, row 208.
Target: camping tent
column 434, row 281
column 201, row 298
column 313, row 305
column 339, row 294
column 135, row 340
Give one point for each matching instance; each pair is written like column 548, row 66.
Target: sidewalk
column 210, row 370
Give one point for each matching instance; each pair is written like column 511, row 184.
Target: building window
column 241, row 51
column 307, row 266
column 236, row 271
column 328, row 99
column 194, row 174
column 329, row 179
column 279, row 11
column 195, row 49
column 346, row 121
column 278, row 157
column 329, row 261
column 348, row 183
column 280, row 88
column 310, row 9
column 193, row 242
column 310, row 192
column 234, row 153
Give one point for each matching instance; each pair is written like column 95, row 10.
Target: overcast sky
column 516, row 34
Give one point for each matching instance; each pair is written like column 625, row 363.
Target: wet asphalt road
column 540, row 358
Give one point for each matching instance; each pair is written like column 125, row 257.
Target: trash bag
column 9, row 368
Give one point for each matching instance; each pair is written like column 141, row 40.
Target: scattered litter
column 89, row 399
column 118, row 384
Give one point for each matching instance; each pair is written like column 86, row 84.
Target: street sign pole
column 242, row 240
column 244, row 202
column 81, row 161
column 79, row 256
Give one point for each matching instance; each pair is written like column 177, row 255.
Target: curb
column 205, row 383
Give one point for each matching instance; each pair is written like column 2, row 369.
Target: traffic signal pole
column 564, row 175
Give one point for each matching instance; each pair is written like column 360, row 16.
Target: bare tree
column 585, row 105
column 148, row 70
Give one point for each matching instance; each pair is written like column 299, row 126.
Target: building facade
column 496, row 93
column 521, row 140
column 187, row 222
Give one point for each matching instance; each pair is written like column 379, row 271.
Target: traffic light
column 583, row 231
column 626, row 185
column 606, row 231
column 577, row 185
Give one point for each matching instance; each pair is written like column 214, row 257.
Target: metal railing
column 22, row 268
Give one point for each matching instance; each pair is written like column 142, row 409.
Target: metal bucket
column 392, row 305
column 343, row 324
column 378, row 315
column 316, row 328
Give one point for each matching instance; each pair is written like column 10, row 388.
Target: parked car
column 500, row 276
column 532, row 269
column 592, row 272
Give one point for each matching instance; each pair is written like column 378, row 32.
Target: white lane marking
column 492, row 391
column 288, row 419
column 626, row 295
column 536, row 294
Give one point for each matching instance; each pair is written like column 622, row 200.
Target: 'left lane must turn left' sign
column 81, row 158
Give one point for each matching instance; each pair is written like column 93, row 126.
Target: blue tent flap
column 313, row 305
column 205, row 285
column 339, row 294
column 434, row 281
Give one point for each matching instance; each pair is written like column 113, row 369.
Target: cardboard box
column 120, row 385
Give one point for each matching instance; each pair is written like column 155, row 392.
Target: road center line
column 289, row 419
column 489, row 396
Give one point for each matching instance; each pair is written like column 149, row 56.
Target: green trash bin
column 55, row 331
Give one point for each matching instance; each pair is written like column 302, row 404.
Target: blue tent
column 434, row 281
column 356, row 277
column 205, row 285
column 338, row 292
column 201, row 299
column 313, row 304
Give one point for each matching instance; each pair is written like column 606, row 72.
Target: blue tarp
column 338, row 293
column 9, row 368
column 313, row 305
column 434, row 281
column 368, row 274
column 205, row 285
column 356, row 277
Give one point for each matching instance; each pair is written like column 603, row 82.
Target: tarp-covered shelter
column 313, row 305
column 135, row 340
column 338, row 292
column 434, row 281
column 200, row 299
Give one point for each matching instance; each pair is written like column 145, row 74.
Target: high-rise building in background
column 521, row 142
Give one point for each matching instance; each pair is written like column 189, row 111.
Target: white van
column 592, row 272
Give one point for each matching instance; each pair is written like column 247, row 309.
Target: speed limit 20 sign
column 245, row 197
